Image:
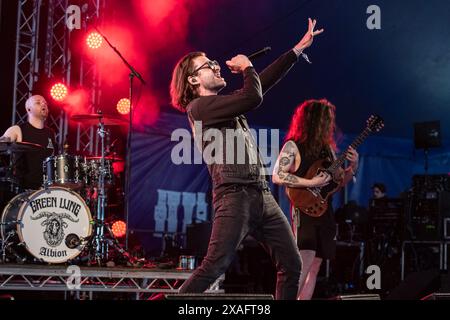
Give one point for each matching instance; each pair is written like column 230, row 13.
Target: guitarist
column 311, row 138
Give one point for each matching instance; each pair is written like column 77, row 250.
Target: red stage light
column 123, row 106
column 59, row 92
column 94, row 40
column 119, row 229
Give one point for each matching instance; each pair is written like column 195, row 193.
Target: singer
column 242, row 201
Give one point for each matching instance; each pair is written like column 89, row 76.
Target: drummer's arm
column 13, row 134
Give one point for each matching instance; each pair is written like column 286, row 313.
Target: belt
column 262, row 185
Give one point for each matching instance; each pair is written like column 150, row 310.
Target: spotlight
column 59, row 91
column 119, row 229
column 123, row 106
column 94, row 40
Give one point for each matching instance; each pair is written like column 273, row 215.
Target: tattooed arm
column 286, row 164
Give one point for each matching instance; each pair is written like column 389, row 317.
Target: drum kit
column 65, row 219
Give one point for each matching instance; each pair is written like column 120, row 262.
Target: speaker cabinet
column 417, row 285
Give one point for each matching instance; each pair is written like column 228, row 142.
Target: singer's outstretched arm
column 220, row 108
column 280, row 67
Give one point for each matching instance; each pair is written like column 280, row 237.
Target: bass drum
column 52, row 225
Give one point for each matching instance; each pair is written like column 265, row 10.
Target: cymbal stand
column 104, row 242
column 101, row 244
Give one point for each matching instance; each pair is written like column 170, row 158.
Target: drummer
column 28, row 165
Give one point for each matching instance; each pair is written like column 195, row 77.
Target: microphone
column 259, row 53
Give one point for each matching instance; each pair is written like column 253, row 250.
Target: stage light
column 59, row 91
column 94, row 40
column 119, row 229
column 123, row 106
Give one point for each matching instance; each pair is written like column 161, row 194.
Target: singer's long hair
column 181, row 91
column 313, row 125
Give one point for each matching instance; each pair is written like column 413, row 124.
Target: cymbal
column 19, row 147
column 95, row 118
column 112, row 158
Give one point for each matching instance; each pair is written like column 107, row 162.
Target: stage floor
column 94, row 279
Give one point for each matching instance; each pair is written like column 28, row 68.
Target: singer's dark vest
column 227, row 112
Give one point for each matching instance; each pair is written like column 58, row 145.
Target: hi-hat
column 95, row 118
column 19, row 147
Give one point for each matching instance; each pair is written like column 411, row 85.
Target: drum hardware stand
column 5, row 243
column 101, row 249
column 107, row 242
column 101, row 241
column 112, row 241
column 9, row 175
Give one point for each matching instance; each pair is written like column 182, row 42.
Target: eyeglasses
column 208, row 64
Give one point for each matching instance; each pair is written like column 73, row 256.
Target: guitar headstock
column 375, row 123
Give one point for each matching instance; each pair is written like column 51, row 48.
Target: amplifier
column 428, row 216
column 435, row 182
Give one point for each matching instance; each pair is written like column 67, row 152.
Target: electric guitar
column 314, row 201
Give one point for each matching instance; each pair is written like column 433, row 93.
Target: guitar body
column 314, row 201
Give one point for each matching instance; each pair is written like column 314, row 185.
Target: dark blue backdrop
column 166, row 197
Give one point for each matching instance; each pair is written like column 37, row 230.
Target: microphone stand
column 132, row 75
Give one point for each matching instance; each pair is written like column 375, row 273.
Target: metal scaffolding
column 140, row 281
column 26, row 60
column 57, row 60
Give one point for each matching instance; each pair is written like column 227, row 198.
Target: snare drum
column 64, row 170
column 52, row 225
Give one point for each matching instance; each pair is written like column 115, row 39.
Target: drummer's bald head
column 30, row 101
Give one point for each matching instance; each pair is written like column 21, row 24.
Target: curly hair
column 181, row 91
column 313, row 125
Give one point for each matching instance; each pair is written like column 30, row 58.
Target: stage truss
column 26, row 60
column 140, row 281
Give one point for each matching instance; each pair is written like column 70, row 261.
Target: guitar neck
column 339, row 162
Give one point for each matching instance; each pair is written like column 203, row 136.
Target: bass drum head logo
column 46, row 220
column 54, row 226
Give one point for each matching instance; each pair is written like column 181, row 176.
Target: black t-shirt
column 29, row 165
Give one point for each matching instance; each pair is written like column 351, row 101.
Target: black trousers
column 242, row 210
